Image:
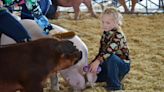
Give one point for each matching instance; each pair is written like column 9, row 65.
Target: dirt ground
column 145, row 35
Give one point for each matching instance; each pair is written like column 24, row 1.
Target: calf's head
column 69, row 54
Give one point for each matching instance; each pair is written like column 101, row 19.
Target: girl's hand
column 94, row 66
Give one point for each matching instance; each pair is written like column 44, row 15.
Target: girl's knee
column 114, row 59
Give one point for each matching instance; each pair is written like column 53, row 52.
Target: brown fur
column 26, row 65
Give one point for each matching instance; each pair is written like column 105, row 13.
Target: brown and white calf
column 25, row 66
column 76, row 70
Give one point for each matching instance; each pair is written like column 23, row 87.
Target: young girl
column 113, row 56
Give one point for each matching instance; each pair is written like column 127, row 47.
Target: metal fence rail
column 147, row 9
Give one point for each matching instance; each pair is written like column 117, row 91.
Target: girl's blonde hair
column 115, row 13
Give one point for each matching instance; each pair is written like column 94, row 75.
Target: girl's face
column 108, row 22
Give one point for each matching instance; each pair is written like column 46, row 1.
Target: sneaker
column 48, row 29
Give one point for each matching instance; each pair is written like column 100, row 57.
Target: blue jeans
column 12, row 28
column 44, row 5
column 113, row 71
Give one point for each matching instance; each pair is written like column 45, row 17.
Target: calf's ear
column 64, row 35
